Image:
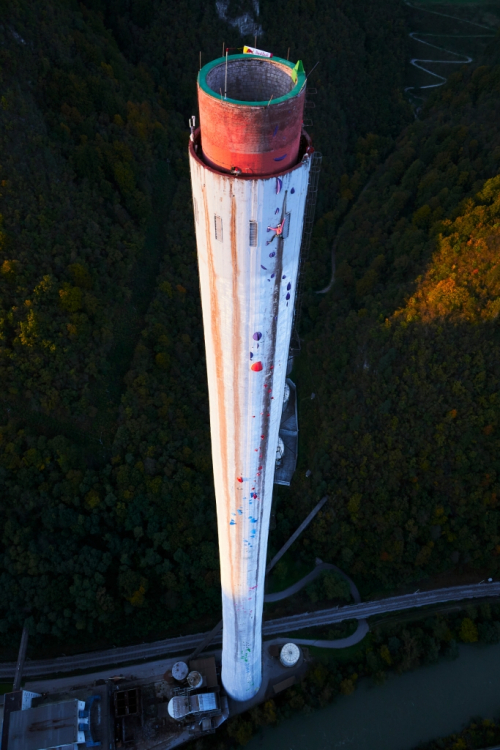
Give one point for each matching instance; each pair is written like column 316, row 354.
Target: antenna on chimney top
column 225, row 82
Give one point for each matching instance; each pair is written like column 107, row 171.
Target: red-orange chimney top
column 251, row 112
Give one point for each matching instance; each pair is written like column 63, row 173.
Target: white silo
column 290, row 655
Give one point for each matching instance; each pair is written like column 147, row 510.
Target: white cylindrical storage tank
column 180, row 671
column 178, row 707
column 290, row 654
column 195, row 679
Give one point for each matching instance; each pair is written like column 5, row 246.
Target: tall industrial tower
column 250, row 161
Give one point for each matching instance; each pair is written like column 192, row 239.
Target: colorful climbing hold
column 279, row 158
column 257, row 336
column 289, row 286
column 279, row 185
column 292, row 191
column 287, row 296
column 264, row 268
column 283, row 277
column 271, row 255
column 276, row 212
column 275, row 130
column 257, row 367
column 240, row 479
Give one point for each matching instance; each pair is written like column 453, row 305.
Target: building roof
column 12, row 702
column 181, row 705
column 47, row 726
column 203, row 702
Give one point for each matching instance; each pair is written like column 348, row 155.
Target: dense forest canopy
column 108, row 514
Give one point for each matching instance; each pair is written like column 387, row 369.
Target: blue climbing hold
column 257, row 336
column 292, row 191
column 288, row 286
column 271, row 255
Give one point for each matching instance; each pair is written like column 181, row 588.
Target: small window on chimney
column 218, row 228
column 253, row 234
column 286, row 228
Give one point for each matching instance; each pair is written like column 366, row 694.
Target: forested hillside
column 108, row 514
column 404, row 354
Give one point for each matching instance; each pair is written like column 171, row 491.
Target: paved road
column 150, row 651
column 360, row 632
column 465, row 59
column 380, row 606
column 211, row 636
column 318, row 570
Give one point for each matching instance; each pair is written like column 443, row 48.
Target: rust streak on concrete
column 237, row 356
column 215, row 325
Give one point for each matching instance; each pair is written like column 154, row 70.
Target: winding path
column 298, row 585
column 465, row 59
column 362, row 629
column 416, row 62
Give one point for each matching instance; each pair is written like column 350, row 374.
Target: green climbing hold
column 299, row 68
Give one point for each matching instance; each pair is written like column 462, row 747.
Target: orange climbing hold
column 256, row 367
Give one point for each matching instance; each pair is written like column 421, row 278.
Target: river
column 422, row 705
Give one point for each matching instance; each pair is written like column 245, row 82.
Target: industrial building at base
column 118, row 713
column 250, row 165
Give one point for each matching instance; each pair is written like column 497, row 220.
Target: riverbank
column 416, row 707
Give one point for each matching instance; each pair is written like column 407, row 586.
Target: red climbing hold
column 257, row 366
column 240, row 479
